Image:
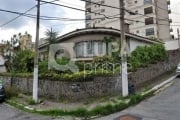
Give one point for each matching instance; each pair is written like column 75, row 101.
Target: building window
column 149, row 21
column 100, row 48
column 88, row 25
column 149, row 31
column 148, row 10
column 88, row 10
column 88, row 2
column 135, row 2
column 89, row 49
column 137, row 31
column 136, row 12
column 102, row 19
column 147, row 1
column 102, row 10
column 79, row 49
column 88, row 17
column 102, row 2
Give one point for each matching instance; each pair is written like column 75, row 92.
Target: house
column 84, row 44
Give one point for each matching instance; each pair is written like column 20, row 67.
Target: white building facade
column 151, row 19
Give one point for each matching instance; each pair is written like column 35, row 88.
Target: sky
column 23, row 24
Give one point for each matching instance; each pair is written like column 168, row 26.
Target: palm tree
column 51, row 35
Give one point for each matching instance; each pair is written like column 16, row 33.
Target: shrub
column 144, row 55
column 31, row 101
column 11, row 92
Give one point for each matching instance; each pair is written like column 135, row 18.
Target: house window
column 147, row 1
column 149, row 21
column 79, row 49
column 149, row 31
column 90, row 48
column 148, row 10
column 100, row 48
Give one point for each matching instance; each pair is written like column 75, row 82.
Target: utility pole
column 35, row 78
column 124, row 74
column 178, row 38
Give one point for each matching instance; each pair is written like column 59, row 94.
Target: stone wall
column 147, row 74
column 99, row 86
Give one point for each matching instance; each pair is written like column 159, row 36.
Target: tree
column 17, row 60
column 51, row 36
column 10, row 49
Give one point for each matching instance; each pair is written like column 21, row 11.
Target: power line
column 74, row 8
column 51, row 18
column 17, row 16
column 20, row 15
column 69, row 19
column 129, row 11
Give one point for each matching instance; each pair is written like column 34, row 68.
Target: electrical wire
column 4, row 24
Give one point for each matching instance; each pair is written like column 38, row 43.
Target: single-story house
column 84, row 44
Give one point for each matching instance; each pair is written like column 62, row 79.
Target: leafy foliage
column 145, row 55
column 23, row 61
column 51, row 36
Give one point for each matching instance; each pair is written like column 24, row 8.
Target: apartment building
column 151, row 18
column 26, row 42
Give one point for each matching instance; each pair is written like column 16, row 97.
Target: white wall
column 172, row 45
column 134, row 44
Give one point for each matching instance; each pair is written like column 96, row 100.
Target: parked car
column 178, row 70
column 2, row 93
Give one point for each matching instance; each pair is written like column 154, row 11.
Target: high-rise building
column 26, row 42
column 150, row 19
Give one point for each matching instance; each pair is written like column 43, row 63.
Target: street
column 164, row 106
column 10, row 113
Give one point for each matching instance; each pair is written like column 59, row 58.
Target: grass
column 84, row 112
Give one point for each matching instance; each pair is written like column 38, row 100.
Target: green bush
column 31, row 101
column 22, row 61
column 11, row 92
column 43, row 66
column 144, row 55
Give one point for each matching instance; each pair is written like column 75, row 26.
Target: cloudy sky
column 23, row 24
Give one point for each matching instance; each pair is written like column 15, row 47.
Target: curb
column 155, row 88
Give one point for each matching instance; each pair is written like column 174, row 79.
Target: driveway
column 164, row 106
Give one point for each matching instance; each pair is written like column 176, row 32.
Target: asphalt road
column 163, row 106
column 10, row 113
